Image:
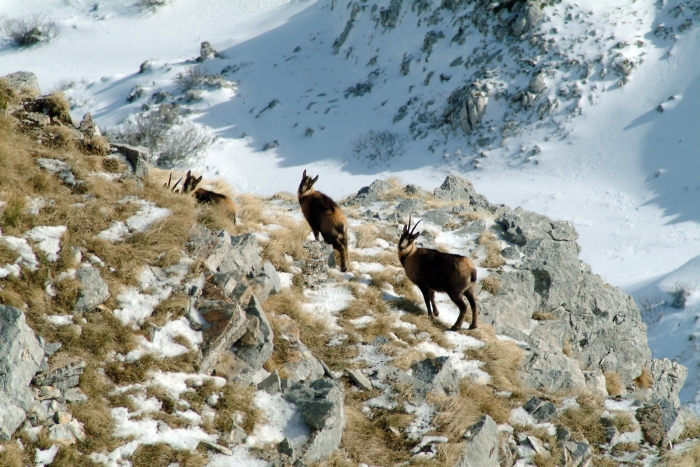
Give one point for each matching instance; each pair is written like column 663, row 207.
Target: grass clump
column 491, row 284
column 493, row 251
column 501, row 359
column 613, row 383
column 30, row 30
column 162, row 455
column 584, row 421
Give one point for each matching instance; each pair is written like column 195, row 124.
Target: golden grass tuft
column 252, row 209
column 236, row 399
column 613, row 383
column 162, row 455
column 543, row 316
column 584, row 421
column 366, row 235
column 621, row 448
column 624, row 422
column 288, row 240
column 58, row 107
column 688, row 458
column 493, row 251
column 491, row 284
column 12, row 456
column 643, row 381
column 501, row 359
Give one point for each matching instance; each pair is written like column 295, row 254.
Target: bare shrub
column 193, row 77
column 30, row 30
column 680, row 291
column 378, row 147
column 170, row 142
column 651, row 304
column 150, row 5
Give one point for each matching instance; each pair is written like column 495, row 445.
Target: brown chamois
column 434, row 271
column 324, row 216
column 203, row 195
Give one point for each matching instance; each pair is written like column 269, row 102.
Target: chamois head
column 408, row 237
column 307, row 185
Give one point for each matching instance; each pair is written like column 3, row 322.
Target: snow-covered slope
column 602, row 155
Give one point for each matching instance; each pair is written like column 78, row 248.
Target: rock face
column 321, row 403
column 481, row 448
column 20, row 358
column 94, row 289
column 24, row 82
column 137, row 156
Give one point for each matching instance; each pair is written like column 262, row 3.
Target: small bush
column 150, row 5
column 170, row 143
column 378, row 147
column 30, row 30
column 680, row 291
column 193, row 77
column 491, row 284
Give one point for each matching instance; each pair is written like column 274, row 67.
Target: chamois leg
column 316, row 232
column 459, row 301
column 469, row 293
column 343, row 252
column 426, row 296
column 432, row 301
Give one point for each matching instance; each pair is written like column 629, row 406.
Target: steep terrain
column 140, row 328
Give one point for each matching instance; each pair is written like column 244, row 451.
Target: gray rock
column 93, row 291
column 576, row 454
column 410, row 206
column 466, row 107
column 475, row 227
column 667, row 379
column 285, row 447
column 389, row 16
column 438, row 217
column 510, row 252
column 552, row 372
column 482, row 446
column 537, row 85
column 20, row 358
column 514, row 303
column 456, row 188
column 24, row 82
column 541, row 410
column 267, row 282
column 321, row 403
column 88, row 127
column 63, row 377
column 438, row 374
column 415, row 190
column 235, row 255
column 527, row 18
column 256, row 355
column 75, row 395
column 206, row 51
column 137, row 157
column 361, row 380
column 376, row 188
column 340, row 40
column 271, row 384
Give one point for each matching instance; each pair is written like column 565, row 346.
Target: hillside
column 142, row 328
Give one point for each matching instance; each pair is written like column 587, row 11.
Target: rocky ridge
column 576, row 344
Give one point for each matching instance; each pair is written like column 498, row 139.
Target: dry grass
column 643, row 381
column 624, row 422
column 162, row 455
column 491, row 284
column 621, row 448
column 688, row 458
column 493, row 251
column 543, row 316
column 584, row 421
column 613, row 383
column 567, row 350
column 366, row 235
column 288, row 240
column 12, row 456
column 457, row 413
column 252, row 209
column 501, row 359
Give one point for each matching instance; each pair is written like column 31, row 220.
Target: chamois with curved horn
column 324, row 217
column 434, row 271
column 202, row 195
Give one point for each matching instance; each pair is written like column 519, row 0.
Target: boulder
column 21, row 356
column 321, row 403
column 23, row 82
column 438, row 374
column 137, row 157
column 88, row 127
column 540, row 410
column 93, row 289
column 552, row 372
column 667, row 380
column 64, row 374
column 206, row 51
column 482, row 446
column 255, row 347
column 527, row 18
column 388, row 17
column 298, row 361
column 456, row 188
column 237, row 256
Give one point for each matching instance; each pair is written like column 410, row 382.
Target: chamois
column 434, row 271
column 324, row 216
column 202, row 195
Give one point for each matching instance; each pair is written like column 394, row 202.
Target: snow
column 147, row 431
column 47, row 239
column 163, row 342
column 147, row 214
column 282, row 420
column 46, row 457
column 59, row 320
column 623, row 173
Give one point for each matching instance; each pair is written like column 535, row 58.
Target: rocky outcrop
column 481, row 448
column 93, row 289
column 21, row 356
column 322, row 405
